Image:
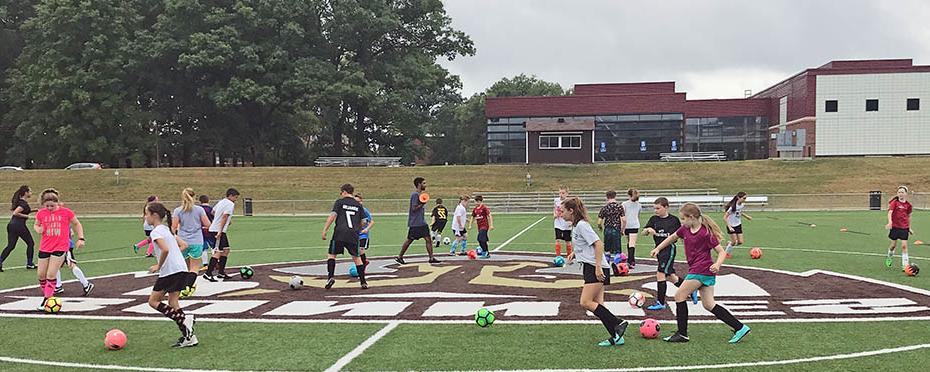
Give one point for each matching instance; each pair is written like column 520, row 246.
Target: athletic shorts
column 706, row 280
column 50, row 254
column 194, row 251
column 589, row 274
column 209, row 241
column 171, row 283
column 363, row 243
column 223, row 242
column 460, row 233
column 338, row 248
column 439, row 226
column 738, row 229
column 483, row 236
column 564, row 235
column 69, row 257
column 899, row 234
column 666, row 260
column 417, row 232
column 612, row 240
column 631, row 231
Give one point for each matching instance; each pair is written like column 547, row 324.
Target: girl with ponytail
column 188, row 223
column 733, row 218
column 173, row 274
column 17, row 229
column 147, row 229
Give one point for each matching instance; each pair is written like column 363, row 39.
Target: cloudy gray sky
column 712, row 49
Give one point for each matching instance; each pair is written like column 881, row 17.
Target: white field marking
column 512, row 238
column 346, row 359
column 748, row 364
column 99, row 366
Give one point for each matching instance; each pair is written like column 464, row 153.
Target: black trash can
column 247, row 207
column 875, row 200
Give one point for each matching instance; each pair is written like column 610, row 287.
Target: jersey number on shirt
column 441, row 213
column 349, row 215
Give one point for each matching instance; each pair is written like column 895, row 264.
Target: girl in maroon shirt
column 899, row 225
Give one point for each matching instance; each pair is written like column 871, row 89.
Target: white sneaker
column 189, row 341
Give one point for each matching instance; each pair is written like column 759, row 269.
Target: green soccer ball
column 484, row 317
column 246, row 272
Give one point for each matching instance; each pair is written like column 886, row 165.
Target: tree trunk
column 361, row 139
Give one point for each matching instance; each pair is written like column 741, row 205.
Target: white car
column 10, row 168
column 80, row 166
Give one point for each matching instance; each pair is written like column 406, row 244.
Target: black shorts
column 439, row 226
column 172, row 283
column 222, row 243
column 612, row 240
column 564, row 235
column 483, row 236
column 738, row 229
column 631, row 231
column 363, row 243
column 50, row 254
column 589, row 275
column 336, row 247
column 417, row 232
column 69, row 257
column 899, row 234
column 666, row 260
column 460, row 233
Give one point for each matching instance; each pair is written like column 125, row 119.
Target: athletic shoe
column 486, row 256
column 616, row 341
column 452, row 253
column 179, row 342
column 189, row 324
column 224, row 276
column 400, row 260
column 694, row 297
column 740, row 334
column 677, row 337
column 42, row 305
column 656, row 307
column 434, row 260
column 330, row 283
column 888, row 262
column 364, row 285
column 729, row 255
column 621, row 329
column 135, row 249
column 88, row 288
column 31, row 267
column 190, row 341
column 463, row 253
column 59, row 290
column 202, row 268
column 149, row 255
column 209, row 278
column 1, row 268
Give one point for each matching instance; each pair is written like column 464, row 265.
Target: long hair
column 150, row 199
column 579, row 212
column 731, row 205
column 692, row 210
column 633, row 194
column 49, row 195
column 902, row 187
column 18, row 195
column 159, row 210
column 187, row 199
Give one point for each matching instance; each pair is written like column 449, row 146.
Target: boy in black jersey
column 660, row 227
column 347, row 213
column 440, row 216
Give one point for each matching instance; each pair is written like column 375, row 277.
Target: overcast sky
column 712, row 49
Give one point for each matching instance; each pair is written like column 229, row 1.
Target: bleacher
column 357, row 161
column 709, row 199
column 693, row 156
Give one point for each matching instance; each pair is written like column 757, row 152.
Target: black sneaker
column 59, row 290
column 463, row 254
column 364, row 285
column 621, row 328
column 88, row 288
column 29, row 267
column 1, row 268
column 677, row 337
column 330, row 283
column 433, row 260
column 224, row 276
column 209, row 278
column 400, row 260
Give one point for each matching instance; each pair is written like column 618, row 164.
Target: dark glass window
column 913, row 104
column 871, row 105
column 831, row 106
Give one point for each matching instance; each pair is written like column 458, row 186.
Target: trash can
column 875, row 200
column 247, row 206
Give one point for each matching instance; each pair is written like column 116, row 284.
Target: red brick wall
column 625, row 88
column 705, row 108
column 502, row 107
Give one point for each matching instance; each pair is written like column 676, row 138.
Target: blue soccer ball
column 353, row 271
column 558, row 261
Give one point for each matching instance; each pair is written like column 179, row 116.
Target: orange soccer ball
column 755, row 253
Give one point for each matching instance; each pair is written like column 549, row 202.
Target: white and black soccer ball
column 446, row 241
column 296, row 282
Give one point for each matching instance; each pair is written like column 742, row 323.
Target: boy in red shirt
column 899, row 225
column 482, row 215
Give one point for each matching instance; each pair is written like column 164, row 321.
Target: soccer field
column 853, row 314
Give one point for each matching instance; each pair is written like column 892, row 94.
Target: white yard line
column 504, row 244
column 346, row 359
column 98, row 366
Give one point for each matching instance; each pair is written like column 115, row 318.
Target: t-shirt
column 697, row 249
column 440, row 213
column 901, row 214
column 365, row 222
column 611, row 213
column 349, row 213
column 222, row 207
column 560, row 223
column 459, row 218
column 26, row 210
column 735, row 218
column 190, row 228
column 664, row 227
column 632, row 208
column 481, row 214
column 56, row 236
column 415, row 217
column 174, row 263
column 583, row 239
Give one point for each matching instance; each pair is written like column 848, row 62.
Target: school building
column 843, row 108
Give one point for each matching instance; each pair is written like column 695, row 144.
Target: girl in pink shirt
column 54, row 222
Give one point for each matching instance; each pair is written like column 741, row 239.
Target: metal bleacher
column 357, row 161
column 693, row 156
column 543, row 201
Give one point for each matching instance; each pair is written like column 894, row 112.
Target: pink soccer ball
column 649, row 328
column 115, row 339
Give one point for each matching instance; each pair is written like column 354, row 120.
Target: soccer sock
column 891, row 252
column 454, row 244
column 143, row 242
column 330, row 268
column 364, row 260
column 79, row 274
column 558, row 249
column 150, row 249
column 726, row 317
column 661, row 287
column 631, row 254
column 176, row 315
column 680, row 280
column 205, row 257
column 58, row 279
column 607, row 318
column 212, row 266
column 682, row 316
column 221, row 266
column 729, row 247
column 361, row 272
column 43, row 285
column 568, row 247
column 904, row 259
column 464, row 245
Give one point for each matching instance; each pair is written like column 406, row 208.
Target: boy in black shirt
column 440, row 216
column 347, row 213
column 660, row 227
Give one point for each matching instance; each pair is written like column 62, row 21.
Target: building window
column 560, row 142
column 871, row 105
column 831, row 106
column 913, row 104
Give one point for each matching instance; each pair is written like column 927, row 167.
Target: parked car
column 10, row 168
column 81, row 166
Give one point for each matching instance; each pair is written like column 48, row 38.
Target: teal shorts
column 706, row 280
column 194, row 251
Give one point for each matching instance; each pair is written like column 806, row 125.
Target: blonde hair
column 187, row 199
column 579, row 212
column 49, row 195
column 692, row 210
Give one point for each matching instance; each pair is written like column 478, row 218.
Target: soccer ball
column 246, row 272
column 52, row 305
column 755, row 253
column 484, row 317
column 115, row 339
column 623, row 269
column 296, row 282
column 446, row 241
column 188, row 291
column 558, row 261
column 911, row 270
column 353, row 271
column 649, row 328
column 637, row 300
